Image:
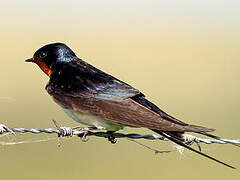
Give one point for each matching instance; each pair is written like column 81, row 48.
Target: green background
column 183, row 55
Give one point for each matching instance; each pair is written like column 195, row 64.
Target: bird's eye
column 42, row 55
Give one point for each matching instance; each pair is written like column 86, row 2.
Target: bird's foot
column 84, row 138
column 111, row 137
column 86, row 131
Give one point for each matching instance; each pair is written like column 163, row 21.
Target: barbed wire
column 81, row 132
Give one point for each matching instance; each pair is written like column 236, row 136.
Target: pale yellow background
column 184, row 55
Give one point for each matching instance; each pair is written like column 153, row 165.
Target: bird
column 97, row 99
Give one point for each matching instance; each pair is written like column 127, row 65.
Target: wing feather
column 80, row 79
column 126, row 112
column 79, row 86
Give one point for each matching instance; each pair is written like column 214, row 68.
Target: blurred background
column 183, row 55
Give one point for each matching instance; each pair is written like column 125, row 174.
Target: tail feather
column 180, row 142
column 194, row 128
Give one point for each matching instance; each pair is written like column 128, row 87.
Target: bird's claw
column 111, row 137
column 84, row 137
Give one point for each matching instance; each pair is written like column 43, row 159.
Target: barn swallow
column 97, row 99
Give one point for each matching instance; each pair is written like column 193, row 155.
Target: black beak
column 30, row 60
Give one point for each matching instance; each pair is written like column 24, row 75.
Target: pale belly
column 92, row 121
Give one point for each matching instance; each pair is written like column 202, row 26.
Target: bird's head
column 49, row 55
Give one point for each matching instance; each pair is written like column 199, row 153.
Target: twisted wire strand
column 68, row 131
